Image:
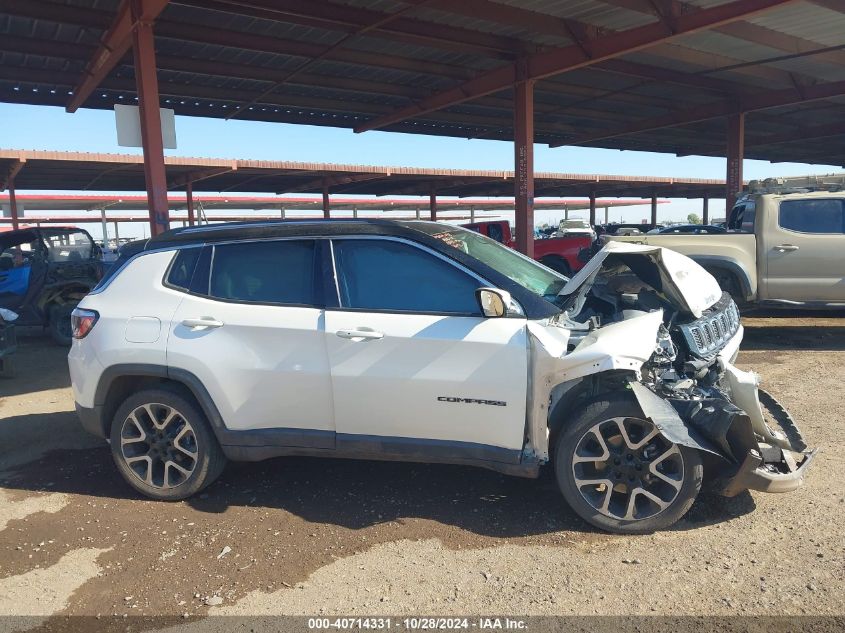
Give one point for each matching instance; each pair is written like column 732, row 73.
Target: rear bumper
column 754, row 475
column 92, row 420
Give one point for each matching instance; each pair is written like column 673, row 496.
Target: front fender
column 625, row 345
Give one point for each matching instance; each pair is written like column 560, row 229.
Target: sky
column 51, row 128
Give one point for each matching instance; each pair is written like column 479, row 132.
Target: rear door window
column 391, row 276
column 824, row 216
column 281, row 272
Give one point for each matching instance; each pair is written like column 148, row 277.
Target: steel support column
column 105, row 227
column 523, row 132
column 143, row 48
column 607, row 215
column 593, row 208
column 735, row 154
column 327, row 208
column 432, row 205
column 653, row 211
column 13, row 203
column 705, row 210
column 189, row 200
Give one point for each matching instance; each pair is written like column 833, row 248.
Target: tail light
column 82, row 322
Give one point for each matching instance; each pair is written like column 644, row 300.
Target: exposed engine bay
column 659, row 323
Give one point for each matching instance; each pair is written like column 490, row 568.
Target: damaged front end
column 637, row 298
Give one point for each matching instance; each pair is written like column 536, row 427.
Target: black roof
column 226, row 231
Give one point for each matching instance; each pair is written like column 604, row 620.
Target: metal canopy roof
column 219, row 203
column 359, row 63
column 77, row 171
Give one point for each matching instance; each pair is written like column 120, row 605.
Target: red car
column 566, row 255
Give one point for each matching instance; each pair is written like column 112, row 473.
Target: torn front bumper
column 755, row 474
column 761, row 446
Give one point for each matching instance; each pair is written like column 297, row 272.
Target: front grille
column 706, row 336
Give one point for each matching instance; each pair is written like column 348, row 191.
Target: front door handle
column 786, row 247
column 202, row 322
column 360, row 334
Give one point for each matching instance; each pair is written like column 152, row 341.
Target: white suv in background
column 426, row 342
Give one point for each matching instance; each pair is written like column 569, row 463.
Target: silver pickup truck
column 780, row 249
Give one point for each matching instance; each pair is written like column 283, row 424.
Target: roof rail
column 798, row 184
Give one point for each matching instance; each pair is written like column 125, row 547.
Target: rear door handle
column 360, row 334
column 202, row 322
column 786, row 247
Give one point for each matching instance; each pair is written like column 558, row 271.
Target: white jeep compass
column 426, row 342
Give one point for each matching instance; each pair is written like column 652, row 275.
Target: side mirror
column 493, row 302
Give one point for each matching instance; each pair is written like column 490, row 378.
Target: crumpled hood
column 688, row 282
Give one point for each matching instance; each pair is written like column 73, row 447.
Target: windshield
column 526, row 272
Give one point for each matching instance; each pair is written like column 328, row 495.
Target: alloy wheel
column 159, row 445
column 624, row 468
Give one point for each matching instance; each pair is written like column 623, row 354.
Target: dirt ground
column 307, row 536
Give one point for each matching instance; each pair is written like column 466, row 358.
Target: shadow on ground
column 348, row 493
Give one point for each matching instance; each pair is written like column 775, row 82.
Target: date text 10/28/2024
column 417, row 624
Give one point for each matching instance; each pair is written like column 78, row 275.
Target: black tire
column 168, row 462
column 610, row 510
column 558, row 264
column 59, row 324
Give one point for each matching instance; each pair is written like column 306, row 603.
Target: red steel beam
column 143, row 47
column 556, row 61
column 523, row 130
column 750, row 103
column 735, row 154
column 113, row 46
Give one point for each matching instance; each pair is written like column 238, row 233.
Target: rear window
column 272, row 272
column 813, row 216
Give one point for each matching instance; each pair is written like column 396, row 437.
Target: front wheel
column 619, row 473
column 163, row 445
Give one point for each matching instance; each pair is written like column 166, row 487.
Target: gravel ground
column 303, row 536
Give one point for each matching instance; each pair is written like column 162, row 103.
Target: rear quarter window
column 182, row 268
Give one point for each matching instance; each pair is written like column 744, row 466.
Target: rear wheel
column 618, row 472
column 163, row 445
